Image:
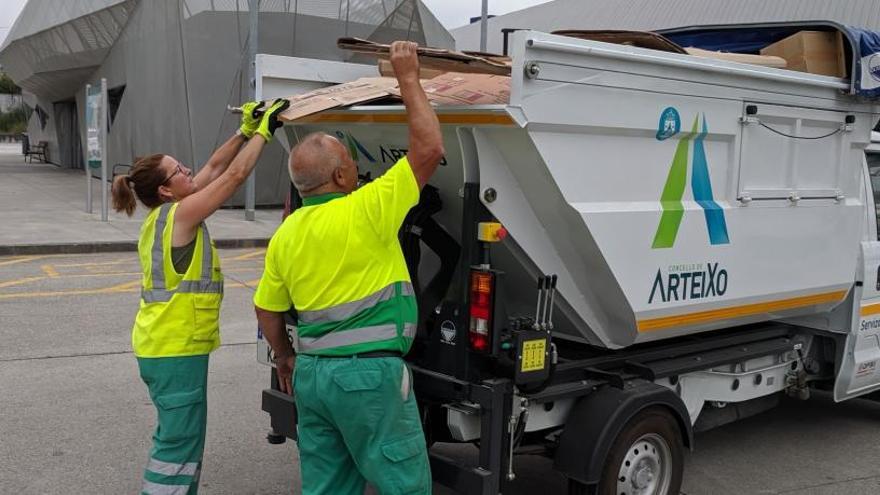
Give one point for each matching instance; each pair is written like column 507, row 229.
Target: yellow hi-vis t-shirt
column 338, row 261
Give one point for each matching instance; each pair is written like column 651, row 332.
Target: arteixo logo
column 354, row 147
column 673, row 191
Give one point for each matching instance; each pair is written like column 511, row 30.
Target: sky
column 451, row 13
column 8, row 13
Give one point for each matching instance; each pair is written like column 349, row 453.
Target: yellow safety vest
column 179, row 314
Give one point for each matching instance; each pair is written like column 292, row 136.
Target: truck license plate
column 264, row 351
column 533, row 355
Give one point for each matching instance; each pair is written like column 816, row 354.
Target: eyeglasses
column 179, row 170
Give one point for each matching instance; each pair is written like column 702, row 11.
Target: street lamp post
column 484, row 25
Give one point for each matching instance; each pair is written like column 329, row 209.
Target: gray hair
column 313, row 160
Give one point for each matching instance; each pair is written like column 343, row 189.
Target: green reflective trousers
column 178, row 387
column 358, row 422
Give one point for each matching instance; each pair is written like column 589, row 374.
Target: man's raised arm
column 425, row 140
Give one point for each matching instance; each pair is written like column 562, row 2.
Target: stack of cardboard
column 654, row 41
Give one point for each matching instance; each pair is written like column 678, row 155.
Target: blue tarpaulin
column 863, row 46
column 867, row 66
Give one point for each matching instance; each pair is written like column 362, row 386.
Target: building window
column 114, row 99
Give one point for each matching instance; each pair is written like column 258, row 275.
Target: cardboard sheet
column 457, row 89
column 743, row 58
column 816, row 52
column 341, row 95
column 436, row 58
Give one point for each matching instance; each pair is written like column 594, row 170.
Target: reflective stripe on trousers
column 172, row 469
column 158, row 293
column 192, row 469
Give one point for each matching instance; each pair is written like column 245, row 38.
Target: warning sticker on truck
column 533, row 353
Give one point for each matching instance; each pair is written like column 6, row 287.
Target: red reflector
column 479, row 342
column 480, row 312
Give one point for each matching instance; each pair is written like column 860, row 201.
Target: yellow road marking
column 101, row 263
column 652, row 324
column 247, row 256
column 49, row 270
column 25, row 280
column 124, row 287
column 20, row 260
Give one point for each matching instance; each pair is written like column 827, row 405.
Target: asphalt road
column 75, row 417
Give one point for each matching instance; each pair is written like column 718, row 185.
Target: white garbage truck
column 638, row 245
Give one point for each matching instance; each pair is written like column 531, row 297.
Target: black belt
column 372, row 354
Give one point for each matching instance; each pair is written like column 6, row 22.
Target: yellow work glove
column 270, row 121
column 251, row 114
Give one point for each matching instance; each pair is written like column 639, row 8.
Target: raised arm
column 425, row 140
column 195, row 208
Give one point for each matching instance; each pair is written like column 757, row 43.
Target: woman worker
column 177, row 325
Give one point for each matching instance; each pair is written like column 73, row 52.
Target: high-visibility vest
column 179, row 314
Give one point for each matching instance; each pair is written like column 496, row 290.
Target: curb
column 112, row 247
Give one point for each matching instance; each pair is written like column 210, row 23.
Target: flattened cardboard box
column 816, row 52
column 359, row 91
column 456, row 89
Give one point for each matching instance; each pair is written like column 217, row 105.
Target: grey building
column 172, row 67
column 659, row 14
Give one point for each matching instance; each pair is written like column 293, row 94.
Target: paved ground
column 75, row 418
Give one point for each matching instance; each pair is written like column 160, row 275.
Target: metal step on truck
column 637, row 246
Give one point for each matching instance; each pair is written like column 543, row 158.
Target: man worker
column 338, row 262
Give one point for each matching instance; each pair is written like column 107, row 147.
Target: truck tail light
column 480, row 331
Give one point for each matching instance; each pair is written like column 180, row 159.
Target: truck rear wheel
column 646, row 458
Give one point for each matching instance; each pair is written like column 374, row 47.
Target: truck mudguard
column 597, row 419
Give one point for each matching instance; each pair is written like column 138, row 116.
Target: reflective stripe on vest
column 347, row 310
column 355, row 336
column 205, row 285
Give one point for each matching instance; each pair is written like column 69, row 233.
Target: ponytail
column 123, row 196
column 142, row 181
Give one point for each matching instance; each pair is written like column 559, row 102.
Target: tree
column 8, row 86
